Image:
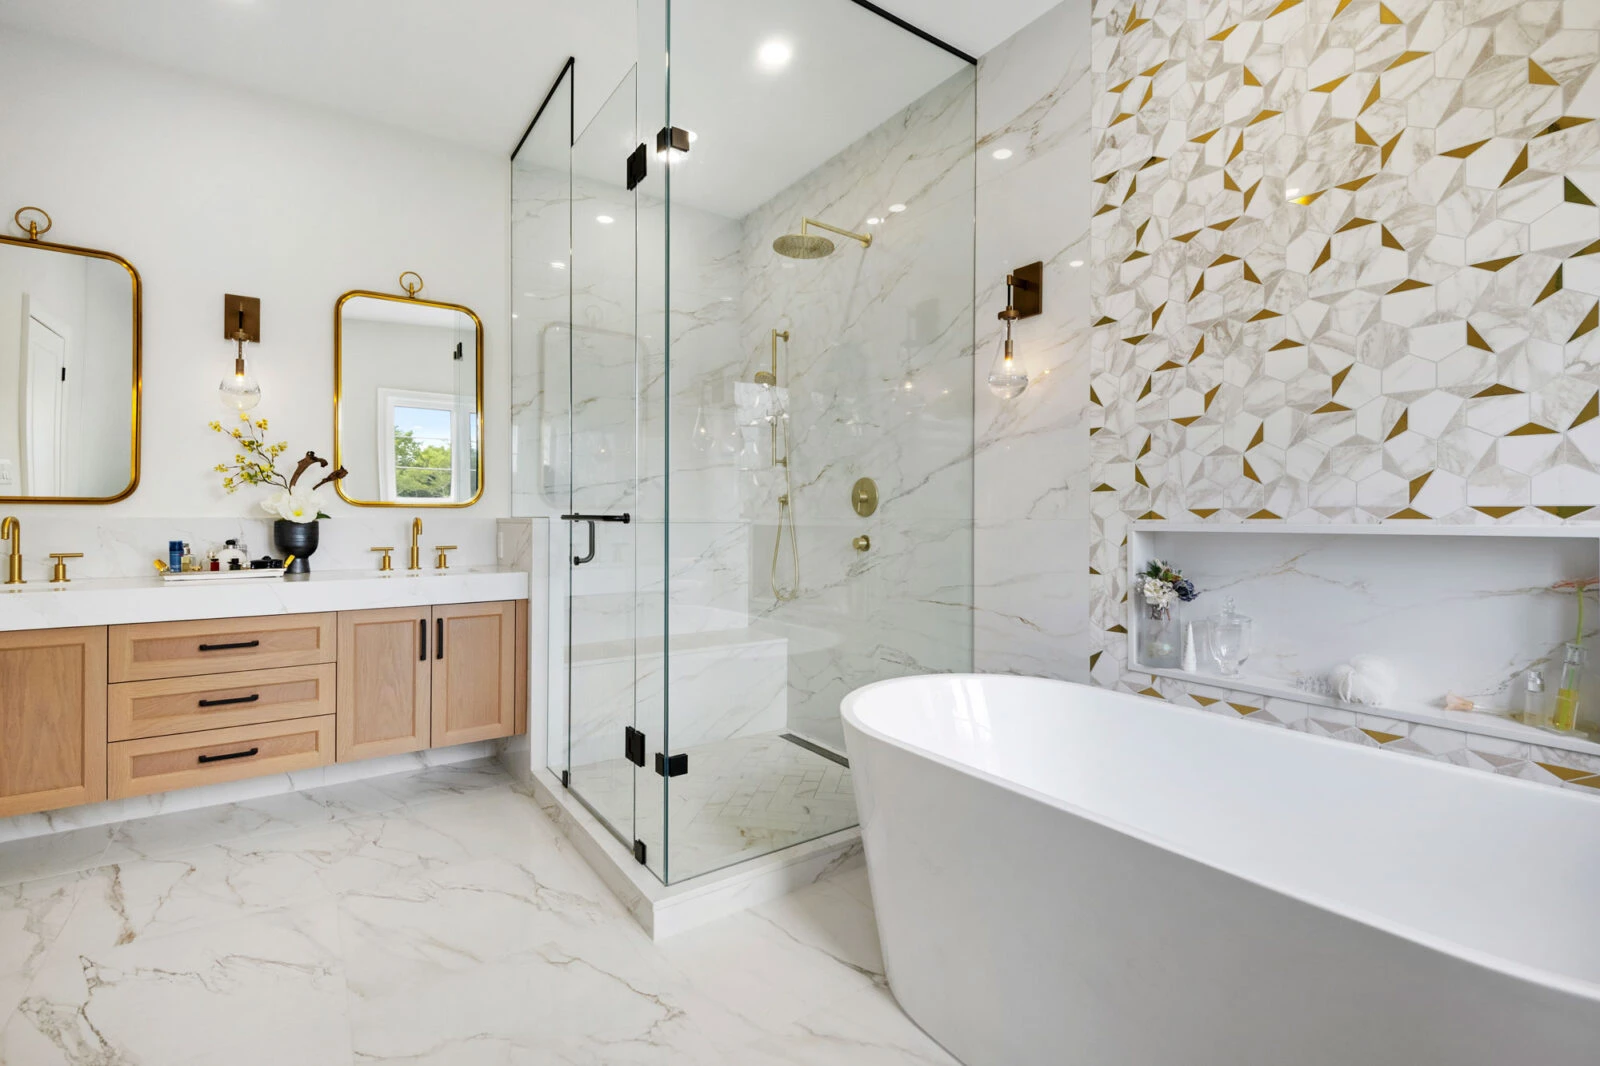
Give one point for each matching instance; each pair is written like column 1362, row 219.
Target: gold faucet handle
column 60, row 571
column 387, row 563
column 443, row 561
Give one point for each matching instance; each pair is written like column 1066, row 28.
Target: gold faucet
column 11, row 530
column 416, row 536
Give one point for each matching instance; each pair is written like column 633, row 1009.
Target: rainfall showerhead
column 803, row 245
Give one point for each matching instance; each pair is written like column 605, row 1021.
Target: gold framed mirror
column 407, row 399
column 70, row 369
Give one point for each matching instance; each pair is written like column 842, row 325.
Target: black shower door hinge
column 566, row 779
column 672, row 139
column 673, row 766
column 633, row 745
column 638, row 166
column 639, row 852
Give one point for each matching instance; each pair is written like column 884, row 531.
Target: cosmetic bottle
column 175, row 556
column 1533, row 705
column 190, row 565
column 232, row 552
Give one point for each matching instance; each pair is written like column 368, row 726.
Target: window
column 428, row 447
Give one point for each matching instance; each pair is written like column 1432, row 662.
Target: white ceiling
column 470, row 71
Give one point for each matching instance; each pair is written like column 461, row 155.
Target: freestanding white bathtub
column 1079, row 877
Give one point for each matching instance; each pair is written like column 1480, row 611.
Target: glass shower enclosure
column 743, row 388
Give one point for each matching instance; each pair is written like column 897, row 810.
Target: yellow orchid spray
column 256, row 463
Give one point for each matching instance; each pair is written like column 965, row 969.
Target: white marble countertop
column 124, row 601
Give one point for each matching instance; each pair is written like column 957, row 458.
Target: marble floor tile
column 439, row 918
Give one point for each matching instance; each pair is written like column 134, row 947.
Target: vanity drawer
column 160, row 764
column 215, row 701
column 218, row 646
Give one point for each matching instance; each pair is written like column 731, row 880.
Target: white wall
column 208, row 190
column 1031, row 552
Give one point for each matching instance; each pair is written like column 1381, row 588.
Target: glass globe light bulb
column 239, row 391
column 1007, row 378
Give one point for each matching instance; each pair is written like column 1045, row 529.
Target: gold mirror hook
column 32, row 226
column 411, row 287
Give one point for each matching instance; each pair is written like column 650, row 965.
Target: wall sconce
column 1024, row 299
column 241, row 322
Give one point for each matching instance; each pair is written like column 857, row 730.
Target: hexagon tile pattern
column 1346, row 268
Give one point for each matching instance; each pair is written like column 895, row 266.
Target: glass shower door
column 602, row 564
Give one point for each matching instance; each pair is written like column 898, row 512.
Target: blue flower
column 1185, row 590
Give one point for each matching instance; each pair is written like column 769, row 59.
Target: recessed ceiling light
column 513, row 314
column 1291, row 193
column 775, row 54
column 1076, row 263
column 874, row 221
column 555, row 265
column 896, row 208
column 604, row 220
column 1002, row 153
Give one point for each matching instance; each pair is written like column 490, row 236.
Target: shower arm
column 864, row 238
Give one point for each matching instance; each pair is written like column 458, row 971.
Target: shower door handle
column 591, row 519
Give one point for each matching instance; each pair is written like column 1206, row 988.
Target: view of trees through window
column 422, row 459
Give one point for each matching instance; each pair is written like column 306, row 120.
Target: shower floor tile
column 741, row 798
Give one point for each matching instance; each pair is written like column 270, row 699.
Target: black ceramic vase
column 298, row 539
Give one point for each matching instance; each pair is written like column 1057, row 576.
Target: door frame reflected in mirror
column 136, row 392
column 338, row 388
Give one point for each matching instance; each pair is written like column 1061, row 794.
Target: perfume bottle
column 1565, row 717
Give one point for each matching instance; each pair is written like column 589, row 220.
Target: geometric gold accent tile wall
column 1346, row 268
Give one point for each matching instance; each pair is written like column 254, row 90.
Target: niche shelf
column 1466, row 609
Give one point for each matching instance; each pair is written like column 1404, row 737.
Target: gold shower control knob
column 862, row 543
column 864, row 497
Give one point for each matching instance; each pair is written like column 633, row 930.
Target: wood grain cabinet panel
column 159, row 764
column 224, row 645
column 385, row 682
column 52, row 719
column 216, row 701
column 474, row 672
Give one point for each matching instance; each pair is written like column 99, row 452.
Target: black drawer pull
column 424, row 656
column 438, row 641
column 231, row 647
column 231, row 755
column 231, row 702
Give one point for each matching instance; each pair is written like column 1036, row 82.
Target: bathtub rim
column 1523, row 971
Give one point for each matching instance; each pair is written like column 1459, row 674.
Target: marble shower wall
column 1346, row 268
column 1031, row 591
column 879, row 384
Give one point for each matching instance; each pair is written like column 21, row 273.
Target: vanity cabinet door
column 385, row 682
column 474, row 672
column 52, row 719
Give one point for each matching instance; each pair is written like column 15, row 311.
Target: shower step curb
column 666, row 910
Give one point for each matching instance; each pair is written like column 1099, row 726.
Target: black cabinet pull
column 230, row 702
column 438, row 641
column 424, row 656
column 231, row 647
column 230, row 755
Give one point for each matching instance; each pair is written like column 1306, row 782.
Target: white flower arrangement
column 1160, row 585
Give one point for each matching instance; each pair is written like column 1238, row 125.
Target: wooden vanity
column 109, row 712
